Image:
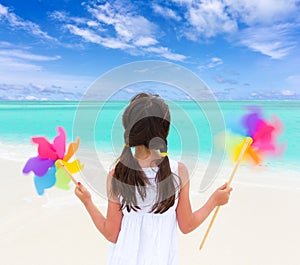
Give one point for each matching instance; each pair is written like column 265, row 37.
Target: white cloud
column 145, row 41
column 104, row 13
column 214, row 61
column 3, row 10
column 17, row 85
column 287, row 92
column 166, row 12
column 14, row 59
column 262, row 26
column 253, row 12
column 115, row 43
column 63, row 16
column 127, row 25
column 166, row 53
column 16, row 22
column 137, row 34
column 22, row 72
column 59, row 15
column 20, row 54
column 272, row 41
column 130, row 90
column 31, row 98
column 208, row 19
column 37, row 91
column 275, row 94
column 8, row 64
column 93, row 37
column 116, row 26
column 222, row 80
column 5, row 44
column 86, row 34
column 183, row 2
column 38, row 87
column 92, row 23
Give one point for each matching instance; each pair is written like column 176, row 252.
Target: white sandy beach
column 260, row 225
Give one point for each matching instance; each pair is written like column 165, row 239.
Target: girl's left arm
column 108, row 226
column 187, row 219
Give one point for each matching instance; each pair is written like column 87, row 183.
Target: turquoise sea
column 98, row 124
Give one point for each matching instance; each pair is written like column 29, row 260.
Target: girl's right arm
column 110, row 226
column 187, row 219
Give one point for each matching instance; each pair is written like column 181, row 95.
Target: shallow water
column 99, row 124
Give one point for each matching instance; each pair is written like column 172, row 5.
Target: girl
column 148, row 192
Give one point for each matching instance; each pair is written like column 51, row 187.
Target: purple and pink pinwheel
column 252, row 138
column 263, row 132
column 52, row 166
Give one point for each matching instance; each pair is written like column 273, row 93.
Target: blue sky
column 242, row 49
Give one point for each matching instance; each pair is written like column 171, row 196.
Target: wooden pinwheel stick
column 248, row 141
column 68, row 173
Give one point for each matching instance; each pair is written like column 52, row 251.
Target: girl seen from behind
column 148, row 193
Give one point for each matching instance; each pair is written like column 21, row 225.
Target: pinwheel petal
column 233, row 143
column 45, row 182
column 264, row 137
column 45, row 149
column 254, row 156
column 238, row 149
column 277, row 124
column 59, row 143
column 72, row 149
column 38, row 166
column 62, row 179
column 73, row 167
column 250, row 122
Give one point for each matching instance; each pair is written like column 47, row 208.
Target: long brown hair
column 146, row 121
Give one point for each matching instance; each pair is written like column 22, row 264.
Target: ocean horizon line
column 176, row 100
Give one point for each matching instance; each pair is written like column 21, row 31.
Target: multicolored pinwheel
column 253, row 137
column 52, row 166
column 263, row 132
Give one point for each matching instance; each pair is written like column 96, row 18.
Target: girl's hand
column 82, row 193
column 221, row 195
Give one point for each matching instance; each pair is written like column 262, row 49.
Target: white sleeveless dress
column 147, row 238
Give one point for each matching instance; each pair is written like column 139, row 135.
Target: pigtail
column 166, row 188
column 128, row 178
column 165, row 179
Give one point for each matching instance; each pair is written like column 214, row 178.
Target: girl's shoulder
column 180, row 170
column 183, row 173
column 174, row 165
column 178, row 166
